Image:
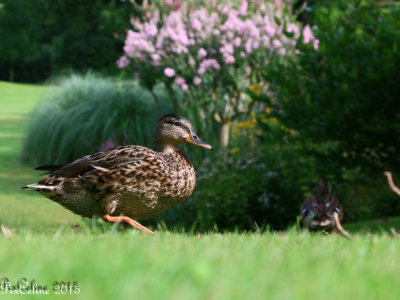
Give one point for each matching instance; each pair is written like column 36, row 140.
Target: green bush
column 268, row 187
column 263, row 187
column 86, row 114
column 347, row 90
column 340, row 100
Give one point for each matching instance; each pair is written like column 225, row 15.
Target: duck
column 322, row 211
column 127, row 183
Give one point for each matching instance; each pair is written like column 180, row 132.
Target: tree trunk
column 11, row 73
column 224, row 136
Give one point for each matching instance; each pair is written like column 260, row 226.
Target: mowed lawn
column 25, row 209
column 109, row 263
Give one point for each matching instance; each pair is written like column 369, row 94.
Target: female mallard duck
column 322, row 210
column 127, row 183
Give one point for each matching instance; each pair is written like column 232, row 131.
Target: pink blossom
column 208, row 64
column 122, row 62
column 243, row 8
column 196, row 25
column 150, row 29
column 229, row 59
column 225, row 9
column 175, row 30
column 276, row 44
column 169, row 72
column 136, row 45
column 250, row 28
column 195, row 36
column 179, row 81
column 191, row 61
column 148, row 15
column 293, row 28
column 265, row 40
column 232, row 23
column 228, row 48
column 248, row 46
column 156, row 59
column 269, row 29
column 201, row 53
column 316, row 44
column 197, row 80
column 237, row 41
column 256, row 44
column 184, row 87
column 307, row 34
column 201, row 71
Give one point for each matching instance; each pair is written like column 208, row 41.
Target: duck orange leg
column 127, row 220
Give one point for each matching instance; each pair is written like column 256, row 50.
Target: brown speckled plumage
column 133, row 181
column 318, row 209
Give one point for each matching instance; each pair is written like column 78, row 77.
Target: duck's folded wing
column 304, row 209
column 106, row 160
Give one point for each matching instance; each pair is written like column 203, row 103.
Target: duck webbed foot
column 127, row 220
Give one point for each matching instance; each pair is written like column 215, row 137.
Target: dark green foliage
column 86, row 114
column 347, row 91
column 18, row 35
column 266, row 188
column 340, row 102
column 45, row 37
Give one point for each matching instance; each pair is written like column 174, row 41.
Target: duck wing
column 308, row 205
column 333, row 205
column 111, row 158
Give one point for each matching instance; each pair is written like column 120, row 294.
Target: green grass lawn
column 24, row 209
column 107, row 262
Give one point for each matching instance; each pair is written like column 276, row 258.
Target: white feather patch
column 99, row 168
column 39, row 186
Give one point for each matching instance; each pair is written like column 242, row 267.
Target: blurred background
column 286, row 91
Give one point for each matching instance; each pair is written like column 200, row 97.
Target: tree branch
column 387, row 3
column 339, row 226
column 395, row 234
column 391, row 184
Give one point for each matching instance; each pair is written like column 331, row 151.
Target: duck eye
column 177, row 123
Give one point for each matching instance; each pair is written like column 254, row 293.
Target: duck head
column 173, row 130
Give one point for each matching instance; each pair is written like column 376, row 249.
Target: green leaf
column 277, row 20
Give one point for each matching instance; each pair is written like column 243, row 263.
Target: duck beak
column 195, row 140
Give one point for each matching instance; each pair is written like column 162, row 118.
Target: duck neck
column 172, row 154
column 163, row 147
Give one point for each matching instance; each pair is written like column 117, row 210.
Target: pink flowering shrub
column 212, row 52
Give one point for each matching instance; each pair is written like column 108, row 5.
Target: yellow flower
column 256, row 88
column 235, row 150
